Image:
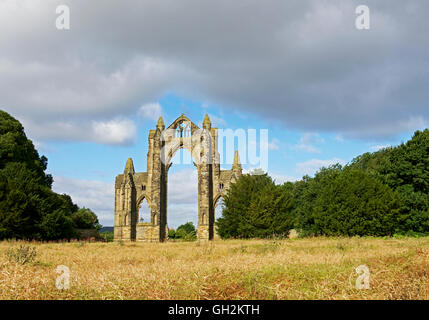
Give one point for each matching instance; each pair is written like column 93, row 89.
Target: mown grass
column 313, row 268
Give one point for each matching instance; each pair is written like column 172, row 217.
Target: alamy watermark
column 362, row 282
column 63, row 280
column 206, row 148
column 62, row 21
column 363, row 21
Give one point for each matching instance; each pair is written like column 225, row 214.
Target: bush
column 22, row 255
column 107, row 236
column 171, row 233
column 186, row 232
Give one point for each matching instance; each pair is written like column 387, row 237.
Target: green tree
column 237, row 220
column 56, row 225
column 16, row 148
column 404, row 168
column 171, row 233
column 270, row 213
column 29, row 209
column 347, row 202
column 85, row 218
column 186, row 232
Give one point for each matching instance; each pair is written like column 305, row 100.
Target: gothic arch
column 142, row 197
column 216, row 200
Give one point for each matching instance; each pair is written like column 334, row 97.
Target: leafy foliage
column 107, row 236
column 185, row 232
column 405, row 169
column 347, row 202
column 255, row 207
column 16, row 148
column 85, row 218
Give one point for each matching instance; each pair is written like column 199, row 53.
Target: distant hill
column 106, row 229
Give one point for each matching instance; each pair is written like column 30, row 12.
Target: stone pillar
column 117, row 225
column 131, row 208
column 163, row 235
column 204, row 202
column 159, row 182
column 205, row 185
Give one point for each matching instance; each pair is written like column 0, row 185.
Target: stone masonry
column 131, row 187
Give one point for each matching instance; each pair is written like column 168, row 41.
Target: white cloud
column 274, row 144
column 150, row 111
column 96, row 195
column 280, row 178
column 379, row 147
column 307, row 143
column 312, row 166
column 114, row 131
column 111, row 132
column 339, row 138
column 216, row 121
column 183, row 186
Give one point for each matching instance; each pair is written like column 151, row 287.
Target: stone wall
column 146, row 232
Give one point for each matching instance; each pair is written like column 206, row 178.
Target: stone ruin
column 131, row 187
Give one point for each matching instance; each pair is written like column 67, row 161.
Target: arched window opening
column 144, row 211
column 188, row 132
column 219, row 205
column 182, row 191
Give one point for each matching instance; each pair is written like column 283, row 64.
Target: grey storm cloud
column 299, row 63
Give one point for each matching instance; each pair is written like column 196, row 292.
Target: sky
column 325, row 91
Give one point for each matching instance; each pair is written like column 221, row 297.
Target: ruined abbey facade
column 131, row 187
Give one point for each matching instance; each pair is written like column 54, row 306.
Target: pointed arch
column 143, row 211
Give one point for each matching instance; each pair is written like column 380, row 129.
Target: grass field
column 314, row 268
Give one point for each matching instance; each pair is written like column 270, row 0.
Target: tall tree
column 29, row 209
column 347, row 202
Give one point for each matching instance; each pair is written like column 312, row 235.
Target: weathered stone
column 132, row 188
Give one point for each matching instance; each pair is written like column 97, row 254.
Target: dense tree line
column 29, row 209
column 377, row 194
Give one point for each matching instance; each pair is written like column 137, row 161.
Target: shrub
column 107, row 236
column 22, row 255
column 186, row 232
column 171, row 233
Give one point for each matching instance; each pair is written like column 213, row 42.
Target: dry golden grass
column 314, row 268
